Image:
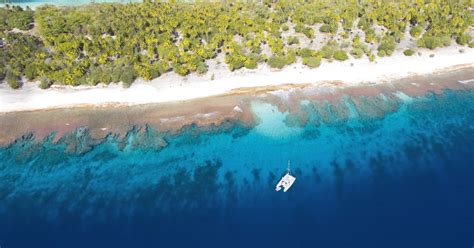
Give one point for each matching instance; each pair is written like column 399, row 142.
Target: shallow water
column 405, row 179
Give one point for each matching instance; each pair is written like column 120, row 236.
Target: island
column 128, row 123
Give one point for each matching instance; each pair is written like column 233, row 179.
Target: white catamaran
column 286, row 181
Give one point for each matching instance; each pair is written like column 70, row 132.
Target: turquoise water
column 33, row 4
column 404, row 179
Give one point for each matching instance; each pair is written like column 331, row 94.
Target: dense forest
column 104, row 43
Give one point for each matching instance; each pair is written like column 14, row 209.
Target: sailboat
column 286, row 181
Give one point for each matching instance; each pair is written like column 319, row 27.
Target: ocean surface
column 403, row 178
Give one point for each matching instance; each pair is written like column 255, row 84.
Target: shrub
column 325, row 28
column 415, row 31
column 432, row 42
column 363, row 24
column 371, row 57
column 285, row 27
column 45, row 83
column 30, row 71
column 299, row 28
column 305, row 52
column 387, row 46
column 309, row 32
column 311, row 62
column 362, row 46
column 340, row 55
column 370, row 35
column 236, row 64
column 128, row 76
column 409, row 52
column 201, row 67
column 357, row 53
column 278, row 61
column 116, row 73
column 292, row 40
column 13, row 80
column 463, row 39
column 2, row 73
column 180, row 69
column 250, row 64
column 327, row 51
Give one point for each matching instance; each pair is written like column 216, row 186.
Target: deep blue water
column 404, row 179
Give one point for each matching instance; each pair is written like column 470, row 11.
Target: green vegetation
column 312, row 62
column 434, row 41
column 15, row 17
column 409, row 52
column 387, row 46
column 415, row 31
column 292, row 40
column 463, row 39
column 13, row 80
column 357, row 53
column 340, row 55
column 281, row 61
column 103, row 43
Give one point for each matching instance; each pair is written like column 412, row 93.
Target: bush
column 45, row 83
column 325, row 28
column 363, row 24
column 357, row 53
column 370, row 35
column 116, row 73
column 387, row 46
column 299, row 28
column 371, row 57
column 2, row 73
column 409, row 52
column 30, row 71
column 309, row 32
column 201, row 67
column 432, row 42
column 250, row 64
column 312, row 62
column 128, row 76
column 305, row 52
column 327, row 51
column 415, row 31
column 340, row 55
column 463, row 39
column 292, row 40
column 381, row 53
column 13, row 80
column 180, row 69
column 277, row 61
column 285, row 27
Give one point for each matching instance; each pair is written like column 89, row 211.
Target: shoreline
column 171, row 87
column 330, row 100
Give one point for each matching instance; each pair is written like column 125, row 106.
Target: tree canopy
column 103, row 43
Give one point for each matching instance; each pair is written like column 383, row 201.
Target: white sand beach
column 172, row 87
